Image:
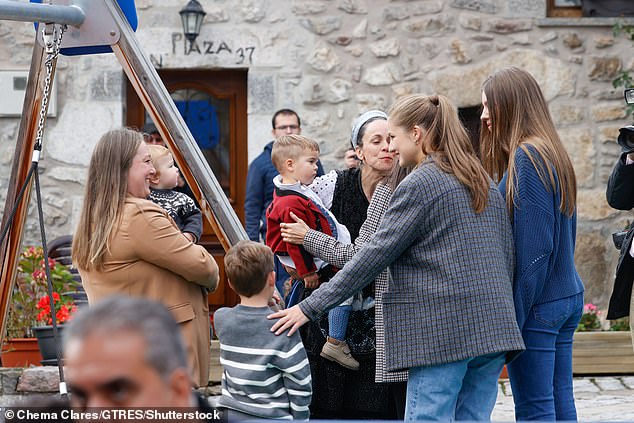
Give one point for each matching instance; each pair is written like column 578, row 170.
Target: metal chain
column 52, row 35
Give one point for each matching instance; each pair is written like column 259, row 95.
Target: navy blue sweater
column 544, row 241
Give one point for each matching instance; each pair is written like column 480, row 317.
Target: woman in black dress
column 338, row 392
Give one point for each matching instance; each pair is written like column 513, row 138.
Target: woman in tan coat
column 127, row 245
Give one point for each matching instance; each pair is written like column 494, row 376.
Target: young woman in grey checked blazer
column 338, row 254
column 446, row 237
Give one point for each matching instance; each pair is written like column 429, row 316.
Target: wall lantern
column 192, row 18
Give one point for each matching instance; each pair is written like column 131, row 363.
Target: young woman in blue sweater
column 520, row 148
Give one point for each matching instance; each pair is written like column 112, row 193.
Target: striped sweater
column 264, row 375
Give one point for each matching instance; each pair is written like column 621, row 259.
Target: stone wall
column 331, row 60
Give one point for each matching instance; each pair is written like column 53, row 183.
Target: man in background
column 259, row 192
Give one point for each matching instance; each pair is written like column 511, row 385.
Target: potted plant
column 601, row 347
column 64, row 309
column 29, row 290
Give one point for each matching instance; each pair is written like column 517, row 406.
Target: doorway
column 213, row 104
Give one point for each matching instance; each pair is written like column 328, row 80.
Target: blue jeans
column 541, row 377
column 461, row 390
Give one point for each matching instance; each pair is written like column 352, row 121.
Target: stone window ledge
column 587, row 22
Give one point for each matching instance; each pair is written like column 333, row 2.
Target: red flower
column 63, row 312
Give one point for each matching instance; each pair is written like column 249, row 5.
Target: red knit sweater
column 285, row 202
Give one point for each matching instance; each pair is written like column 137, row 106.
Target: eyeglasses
column 287, row 127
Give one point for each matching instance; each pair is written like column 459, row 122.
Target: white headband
column 362, row 120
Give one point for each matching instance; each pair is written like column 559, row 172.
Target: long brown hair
column 447, row 141
column 520, row 119
column 105, row 194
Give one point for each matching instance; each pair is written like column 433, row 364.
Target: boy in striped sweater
column 265, row 376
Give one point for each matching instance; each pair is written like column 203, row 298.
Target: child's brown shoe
column 338, row 351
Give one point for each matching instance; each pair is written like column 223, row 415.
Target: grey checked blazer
column 450, row 296
column 336, row 253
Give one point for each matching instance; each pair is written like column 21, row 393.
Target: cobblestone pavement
column 604, row 398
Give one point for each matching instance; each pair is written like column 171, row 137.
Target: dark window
column 470, row 118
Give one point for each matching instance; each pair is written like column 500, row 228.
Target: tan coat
column 149, row 257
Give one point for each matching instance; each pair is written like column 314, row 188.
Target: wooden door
column 214, row 106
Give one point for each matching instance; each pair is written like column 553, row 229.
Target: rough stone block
column 431, row 27
column 605, row 112
column 592, row 205
column 322, row 58
column 356, row 51
column 578, row 143
column 318, row 123
column 322, row 25
column 216, row 14
column 471, row 22
column 311, row 90
column 384, row 74
column 395, row 13
column 604, row 68
column 353, row 6
column 386, row 48
column 603, row 42
column 572, row 40
column 608, row 134
column 367, row 102
column 526, row 8
column 427, row 8
column 508, row 26
column 590, row 261
column 459, row 52
column 55, row 197
column 566, row 114
column 339, row 91
column 522, row 40
column 308, row 7
column 9, row 380
column 341, row 40
column 401, row 90
column 483, row 6
column 548, row 37
column 410, row 65
column 253, row 11
column 39, row 379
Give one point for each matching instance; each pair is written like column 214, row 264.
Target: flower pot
column 602, row 352
column 20, row 352
column 46, row 343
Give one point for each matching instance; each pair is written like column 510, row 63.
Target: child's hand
column 190, row 237
column 311, row 281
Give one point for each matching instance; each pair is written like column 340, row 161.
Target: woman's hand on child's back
column 294, row 232
column 291, row 318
